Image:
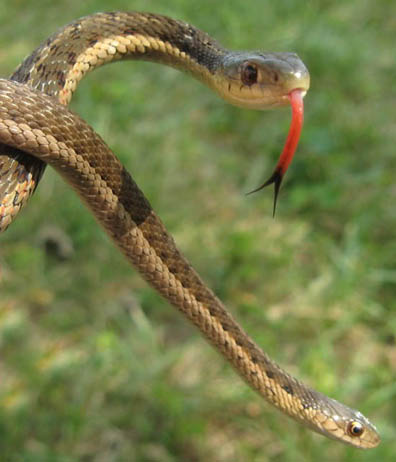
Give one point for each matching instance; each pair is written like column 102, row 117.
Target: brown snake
column 36, row 128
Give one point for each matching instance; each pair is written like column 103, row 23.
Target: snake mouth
column 256, row 96
column 295, row 97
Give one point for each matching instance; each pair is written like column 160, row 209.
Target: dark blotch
column 270, row 374
column 212, row 311
column 288, row 389
column 61, row 78
column 71, row 58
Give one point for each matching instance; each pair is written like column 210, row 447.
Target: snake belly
column 37, row 129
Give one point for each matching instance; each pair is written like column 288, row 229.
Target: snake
column 37, row 128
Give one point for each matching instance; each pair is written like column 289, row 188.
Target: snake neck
column 56, row 67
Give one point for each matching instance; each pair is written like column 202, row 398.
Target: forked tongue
column 297, row 105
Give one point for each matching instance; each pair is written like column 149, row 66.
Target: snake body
column 37, row 129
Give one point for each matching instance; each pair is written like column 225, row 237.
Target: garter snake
column 37, row 129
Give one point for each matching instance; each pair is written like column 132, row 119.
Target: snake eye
column 249, row 74
column 355, row 428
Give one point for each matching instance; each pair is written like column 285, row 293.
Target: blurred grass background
column 94, row 366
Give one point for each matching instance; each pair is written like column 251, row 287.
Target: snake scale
column 36, row 129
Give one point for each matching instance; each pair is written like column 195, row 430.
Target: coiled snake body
column 36, row 128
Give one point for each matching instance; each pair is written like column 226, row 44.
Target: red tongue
column 297, row 105
column 296, row 101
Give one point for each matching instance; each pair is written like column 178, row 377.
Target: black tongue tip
column 276, row 179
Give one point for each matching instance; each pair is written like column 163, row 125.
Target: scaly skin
column 35, row 122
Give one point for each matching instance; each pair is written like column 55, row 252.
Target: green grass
column 94, row 366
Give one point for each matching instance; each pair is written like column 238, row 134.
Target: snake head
column 260, row 80
column 337, row 421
